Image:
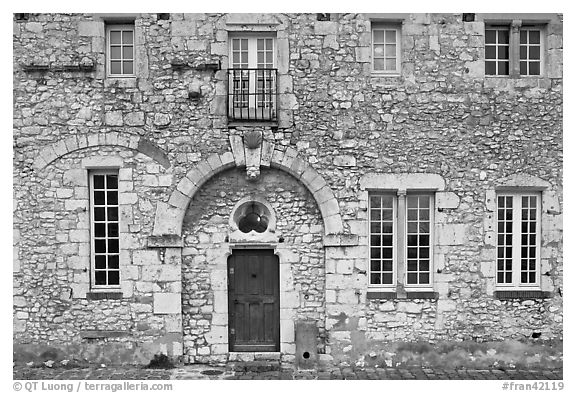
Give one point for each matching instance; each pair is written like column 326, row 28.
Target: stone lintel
column 165, row 241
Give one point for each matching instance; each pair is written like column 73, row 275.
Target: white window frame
column 498, row 28
column 416, row 287
column 396, row 234
column 542, row 51
column 91, row 189
column 121, row 27
column 391, row 286
column 516, row 240
column 387, row 27
column 253, row 101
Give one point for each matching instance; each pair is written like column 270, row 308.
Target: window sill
column 409, row 295
column 260, row 123
column 104, row 295
column 122, row 82
column 522, row 294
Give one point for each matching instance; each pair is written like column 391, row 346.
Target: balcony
column 252, row 94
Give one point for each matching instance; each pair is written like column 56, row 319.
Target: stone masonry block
column 447, row 200
column 183, row 28
column 333, row 224
column 362, row 54
column 237, row 150
column 167, row 303
column 214, row 162
column 227, row 159
column 145, row 257
column 317, row 184
column 266, row 153
column 344, row 266
column 451, row 234
column 325, row 27
column 179, row 200
column 91, row 29
column 324, row 194
column 186, row 187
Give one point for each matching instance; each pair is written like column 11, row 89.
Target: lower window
column 105, row 229
column 415, row 248
column 518, row 248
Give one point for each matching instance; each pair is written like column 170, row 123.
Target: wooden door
column 253, row 301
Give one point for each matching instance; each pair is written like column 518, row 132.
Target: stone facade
column 341, row 132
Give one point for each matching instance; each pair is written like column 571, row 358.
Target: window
column 518, row 244
column 120, row 50
column 514, row 51
column 497, row 51
column 531, row 51
column 104, row 229
column 252, row 78
column 401, row 241
column 386, row 49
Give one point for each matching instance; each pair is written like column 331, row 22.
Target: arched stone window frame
column 550, row 235
column 237, row 236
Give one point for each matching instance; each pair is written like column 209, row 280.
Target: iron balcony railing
column 252, row 94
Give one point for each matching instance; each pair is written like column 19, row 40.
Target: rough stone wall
column 206, row 230
column 442, row 116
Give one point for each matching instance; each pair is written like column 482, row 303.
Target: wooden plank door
column 253, row 301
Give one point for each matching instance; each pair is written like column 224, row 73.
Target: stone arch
column 76, row 142
column 169, row 217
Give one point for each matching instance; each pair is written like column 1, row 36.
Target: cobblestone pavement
column 214, row 372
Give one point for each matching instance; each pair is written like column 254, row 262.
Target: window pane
column 412, row 252
column 424, row 214
column 113, row 230
column 390, row 50
column 98, row 182
column 100, row 277
column 490, row 68
column 375, row 240
column 424, row 265
column 375, row 214
column 128, row 52
column 378, row 36
column 375, row 227
column 113, row 245
column 534, row 53
column 375, row 278
column 115, row 37
column 412, row 265
column 128, row 67
column 387, row 214
column 99, row 197
column 387, row 227
column 100, row 246
column 260, row 57
column 502, row 36
column 100, row 261
column 490, row 52
column 115, row 67
column 424, row 252
column 114, row 277
column 503, row 52
column 412, row 278
column 127, row 37
column 523, row 52
column 260, row 44
column 490, row 37
column 378, row 51
column 375, row 253
column 523, row 36
column 387, row 278
column 424, row 278
column 390, row 36
column 115, row 52
column 112, row 197
column 99, row 230
column 244, row 44
column 412, row 214
column 387, row 266
column 523, row 68
column 412, row 202
column 375, row 202
column 112, row 214
column 378, row 64
column 99, row 214
column 387, row 253
column 390, row 64
column 235, row 44
column 374, row 265
column 113, row 261
column 503, row 68
column 535, row 37
column 424, row 227
column 112, row 181
column 388, row 202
